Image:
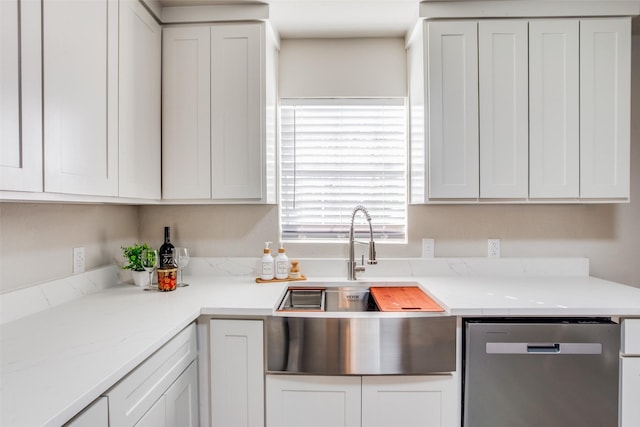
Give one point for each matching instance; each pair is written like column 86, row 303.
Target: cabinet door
column 553, row 109
column 182, row 399
column 425, row 401
column 605, row 91
column 155, row 416
column 237, row 102
column 139, row 102
column 94, row 415
column 186, row 113
column 21, row 99
column 310, row 401
column 80, row 63
column 629, row 391
column 453, row 109
column 504, row 108
column 418, row 178
column 237, row 373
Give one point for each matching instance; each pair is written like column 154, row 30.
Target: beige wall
column 342, row 67
column 37, row 239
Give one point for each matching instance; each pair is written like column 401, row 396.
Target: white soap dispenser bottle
column 282, row 264
column 266, row 265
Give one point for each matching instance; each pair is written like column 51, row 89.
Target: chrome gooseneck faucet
column 352, row 268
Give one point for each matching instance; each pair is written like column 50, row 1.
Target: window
column 337, row 154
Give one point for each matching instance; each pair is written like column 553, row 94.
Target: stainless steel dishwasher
column 541, row 372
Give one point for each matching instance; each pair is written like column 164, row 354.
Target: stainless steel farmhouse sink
column 351, row 337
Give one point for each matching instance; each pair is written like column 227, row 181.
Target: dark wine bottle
column 166, row 251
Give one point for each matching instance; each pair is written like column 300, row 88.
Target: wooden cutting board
column 403, row 298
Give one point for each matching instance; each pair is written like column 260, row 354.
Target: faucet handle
column 372, row 253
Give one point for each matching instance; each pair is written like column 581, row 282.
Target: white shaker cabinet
column 155, row 416
column 186, row 113
column 80, row 77
column 504, row 113
column 162, row 390
column 181, row 399
column 630, row 374
column 314, row 401
column 178, row 406
column 21, row 99
column 94, row 415
column 139, row 102
column 215, row 111
column 605, row 99
column 409, row 401
column 452, row 80
column 367, row 401
column 554, row 80
column 236, row 373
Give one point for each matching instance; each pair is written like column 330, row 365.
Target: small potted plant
column 133, row 258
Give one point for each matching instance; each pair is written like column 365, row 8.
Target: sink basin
column 358, row 297
column 329, row 299
column 297, row 299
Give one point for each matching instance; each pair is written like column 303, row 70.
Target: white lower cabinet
column 629, row 391
column 94, row 415
column 237, row 372
column 425, row 401
column 162, row 390
column 306, row 401
column 156, row 416
column 630, row 374
column 313, row 401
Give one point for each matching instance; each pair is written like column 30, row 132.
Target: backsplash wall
column 37, row 239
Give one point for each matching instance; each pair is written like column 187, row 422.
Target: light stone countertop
column 57, row 361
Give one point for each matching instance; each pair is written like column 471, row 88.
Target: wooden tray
column 403, row 298
column 302, row 277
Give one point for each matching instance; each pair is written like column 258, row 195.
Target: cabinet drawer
column 138, row 391
column 631, row 337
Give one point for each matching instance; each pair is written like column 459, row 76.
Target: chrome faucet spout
column 352, row 268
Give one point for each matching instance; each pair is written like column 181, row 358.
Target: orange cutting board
column 403, row 298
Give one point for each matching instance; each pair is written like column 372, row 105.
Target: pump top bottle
column 282, row 264
column 266, row 265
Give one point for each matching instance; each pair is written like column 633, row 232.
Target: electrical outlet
column 493, row 249
column 428, row 248
column 78, row 260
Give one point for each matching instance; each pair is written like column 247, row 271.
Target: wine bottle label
column 166, row 260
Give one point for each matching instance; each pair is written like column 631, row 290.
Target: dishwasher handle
column 543, row 348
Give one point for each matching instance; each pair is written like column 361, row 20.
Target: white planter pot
column 140, row 278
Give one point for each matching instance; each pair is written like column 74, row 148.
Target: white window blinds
column 337, row 154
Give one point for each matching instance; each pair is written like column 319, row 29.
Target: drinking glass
column 149, row 262
column 181, row 258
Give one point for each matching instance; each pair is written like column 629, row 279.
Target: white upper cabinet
column 553, row 101
column 80, row 63
column 20, row 95
column 237, row 104
column 452, row 80
column 605, row 91
column 186, row 113
column 504, row 111
column 554, row 82
column 217, row 97
column 139, row 102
